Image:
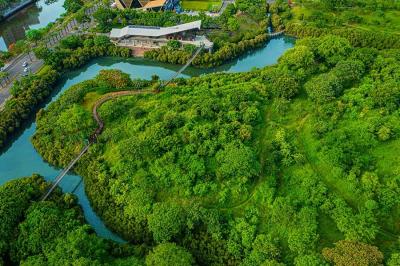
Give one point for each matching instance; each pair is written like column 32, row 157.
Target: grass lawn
column 90, row 99
column 201, row 5
column 383, row 21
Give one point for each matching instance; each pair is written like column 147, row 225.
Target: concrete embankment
column 12, row 10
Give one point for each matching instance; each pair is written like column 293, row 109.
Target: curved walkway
column 105, row 98
column 100, row 122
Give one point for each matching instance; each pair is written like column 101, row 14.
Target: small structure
column 149, row 37
column 147, row 4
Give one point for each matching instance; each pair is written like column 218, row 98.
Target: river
column 35, row 16
column 20, row 158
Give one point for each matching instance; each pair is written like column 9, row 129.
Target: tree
column 169, row 254
column 233, row 24
column 299, row 57
column 349, row 71
column 78, row 246
column 101, row 40
column 310, row 260
column 71, row 42
column 394, row 259
column 34, row 35
column 237, row 162
column 72, row 6
column 354, row 253
column 174, row 45
column 103, row 16
column 323, row 88
column 263, row 249
column 15, row 198
column 166, row 222
column 332, row 49
column 42, row 52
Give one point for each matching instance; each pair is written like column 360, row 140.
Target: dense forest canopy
column 52, row 232
column 290, row 164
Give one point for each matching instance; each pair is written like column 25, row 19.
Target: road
column 15, row 70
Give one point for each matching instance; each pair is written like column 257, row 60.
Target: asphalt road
column 16, row 70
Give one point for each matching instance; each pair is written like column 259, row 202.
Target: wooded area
column 292, row 164
column 270, row 166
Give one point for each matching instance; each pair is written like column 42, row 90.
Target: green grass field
column 383, row 21
column 201, row 5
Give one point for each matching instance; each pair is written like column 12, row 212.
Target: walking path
column 15, row 69
column 224, row 5
column 100, row 123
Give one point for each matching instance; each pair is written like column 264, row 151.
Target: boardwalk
column 276, row 34
column 65, row 171
column 100, row 123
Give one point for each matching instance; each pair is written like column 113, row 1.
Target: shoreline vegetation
column 298, row 160
column 145, row 175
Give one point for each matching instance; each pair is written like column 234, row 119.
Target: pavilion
column 154, row 37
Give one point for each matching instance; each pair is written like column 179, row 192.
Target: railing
column 100, row 123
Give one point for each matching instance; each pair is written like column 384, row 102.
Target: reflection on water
column 21, row 159
column 35, row 16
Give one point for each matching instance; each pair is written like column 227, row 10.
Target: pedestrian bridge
column 100, row 123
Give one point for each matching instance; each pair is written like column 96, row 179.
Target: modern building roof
column 153, row 31
column 147, row 4
column 155, row 3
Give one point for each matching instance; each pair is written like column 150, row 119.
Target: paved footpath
column 16, row 70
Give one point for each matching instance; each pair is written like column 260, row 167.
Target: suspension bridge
column 100, row 123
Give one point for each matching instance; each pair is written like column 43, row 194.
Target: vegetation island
column 296, row 163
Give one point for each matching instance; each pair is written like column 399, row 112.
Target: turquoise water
column 21, row 159
column 35, row 16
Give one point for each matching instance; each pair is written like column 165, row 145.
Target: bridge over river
column 100, row 123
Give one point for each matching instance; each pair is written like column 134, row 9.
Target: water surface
column 35, row 16
column 21, row 159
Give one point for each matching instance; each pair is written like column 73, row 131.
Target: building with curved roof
column 147, row 4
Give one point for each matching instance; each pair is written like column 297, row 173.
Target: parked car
column 25, row 64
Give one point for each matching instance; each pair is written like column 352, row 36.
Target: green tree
column 324, row 88
column 34, row 35
column 103, row 16
column 332, row 49
column 166, row 221
column 72, row 6
column 299, row 57
column 169, row 254
column 233, row 24
column 354, row 253
column 15, row 198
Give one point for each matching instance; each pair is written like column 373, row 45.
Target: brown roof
column 155, row 3
column 127, row 3
column 143, row 2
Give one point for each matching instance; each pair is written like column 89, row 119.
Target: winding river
column 20, row 159
column 35, row 16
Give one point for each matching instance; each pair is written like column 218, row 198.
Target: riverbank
column 20, row 158
column 11, row 11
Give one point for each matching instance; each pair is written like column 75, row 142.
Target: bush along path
column 100, row 122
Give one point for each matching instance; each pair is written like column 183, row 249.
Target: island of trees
column 292, row 164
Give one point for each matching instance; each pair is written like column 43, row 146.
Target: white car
column 25, row 64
